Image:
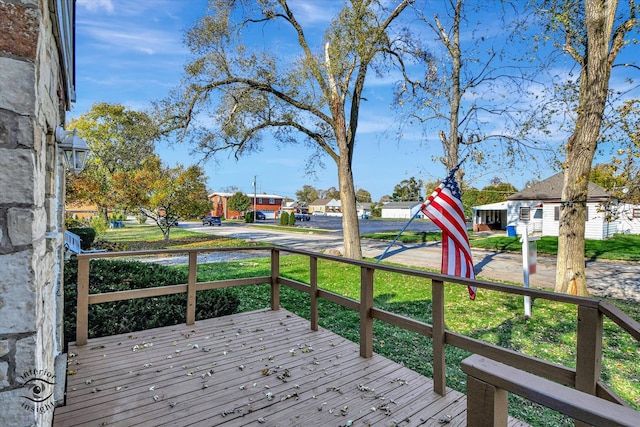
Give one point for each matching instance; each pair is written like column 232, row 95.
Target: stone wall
column 31, row 211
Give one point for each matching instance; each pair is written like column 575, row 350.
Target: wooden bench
column 489, row 381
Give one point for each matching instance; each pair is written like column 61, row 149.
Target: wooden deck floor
column 260, row 368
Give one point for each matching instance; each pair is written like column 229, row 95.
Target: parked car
column 259, row 215
column 302, row 217
column 211, row 220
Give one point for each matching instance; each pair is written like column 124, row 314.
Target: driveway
column 604, row 279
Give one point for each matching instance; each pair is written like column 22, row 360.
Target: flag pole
column 425, row 204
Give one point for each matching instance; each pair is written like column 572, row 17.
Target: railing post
column 191, row 287
column 275, row 274
column 487, row 405
column 313, row 290
column 437, row 313
column 82, row 314
column 589, row 352
column 366, row 304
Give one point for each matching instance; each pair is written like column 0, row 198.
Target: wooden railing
column 590, row 313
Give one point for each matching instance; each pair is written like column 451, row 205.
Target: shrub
column 292, row 219
column 139, row 314
column 284, row 218
column 87, row 236
column 248, row 217
column 99, row 224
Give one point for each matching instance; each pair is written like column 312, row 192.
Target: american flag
column 444, row 208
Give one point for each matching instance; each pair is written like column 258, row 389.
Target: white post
column 254, row 197
column 525, row 268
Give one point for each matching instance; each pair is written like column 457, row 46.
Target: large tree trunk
column 581, row 147
column 350, row 224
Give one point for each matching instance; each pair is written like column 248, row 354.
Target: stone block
column 16, row 86
column 17, row 294
column 14, row 410
column 17, row 179
column 25, row 358
column 4, row 375
column 20, row 226
column 19, row 26
column 4, row 347
column 15, row 130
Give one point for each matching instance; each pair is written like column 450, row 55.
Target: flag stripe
column 444, row 208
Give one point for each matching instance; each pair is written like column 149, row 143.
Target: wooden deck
column 260, row 368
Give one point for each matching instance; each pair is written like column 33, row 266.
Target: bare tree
column 479, row 71
column 241, row 92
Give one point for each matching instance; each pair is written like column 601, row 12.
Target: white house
column 405, row 210
column 538, row 208
column 628, row 219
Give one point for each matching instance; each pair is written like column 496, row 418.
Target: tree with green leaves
column 592, row 33
column 307, row 194
column 245, row 92
column 408, row 190
column 171, row 193
column 363, row 196
column 239, row 202
column 120, row 139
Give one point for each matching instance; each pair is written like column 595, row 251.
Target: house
column 269, row 204
column 363, row 209
column 405, row 210
column 334, row 208
column 538, row 208
column 36, row 90
column 319, row 206
column 627, row 218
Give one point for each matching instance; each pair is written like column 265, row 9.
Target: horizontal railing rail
column 590, row 312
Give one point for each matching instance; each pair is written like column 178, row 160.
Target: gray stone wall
column 31, row 212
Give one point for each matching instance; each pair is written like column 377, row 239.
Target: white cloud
column 97, row 5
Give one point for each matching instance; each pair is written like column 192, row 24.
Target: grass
column 494, row 317
column 620, row 247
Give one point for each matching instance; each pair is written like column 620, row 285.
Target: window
column 525, row 213
column 635, row 213
column 272, row 201
column 260, row 200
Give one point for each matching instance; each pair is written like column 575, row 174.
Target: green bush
column 248, row 217
column 87, row 236
column 284, row 218
column 292, row 219
column 138, row 314
column 99, row 224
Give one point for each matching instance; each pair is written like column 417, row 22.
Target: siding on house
column 401, row 210
column 318, row 207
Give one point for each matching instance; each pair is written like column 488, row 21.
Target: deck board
column 260, row 368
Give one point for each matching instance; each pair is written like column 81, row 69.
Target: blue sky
column 131, row 52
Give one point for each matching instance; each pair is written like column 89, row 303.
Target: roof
column 320, row 202
column 551, row 190
column 401, row 205
column 500, row 206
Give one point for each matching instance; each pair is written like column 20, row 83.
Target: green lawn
column 494, row 317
